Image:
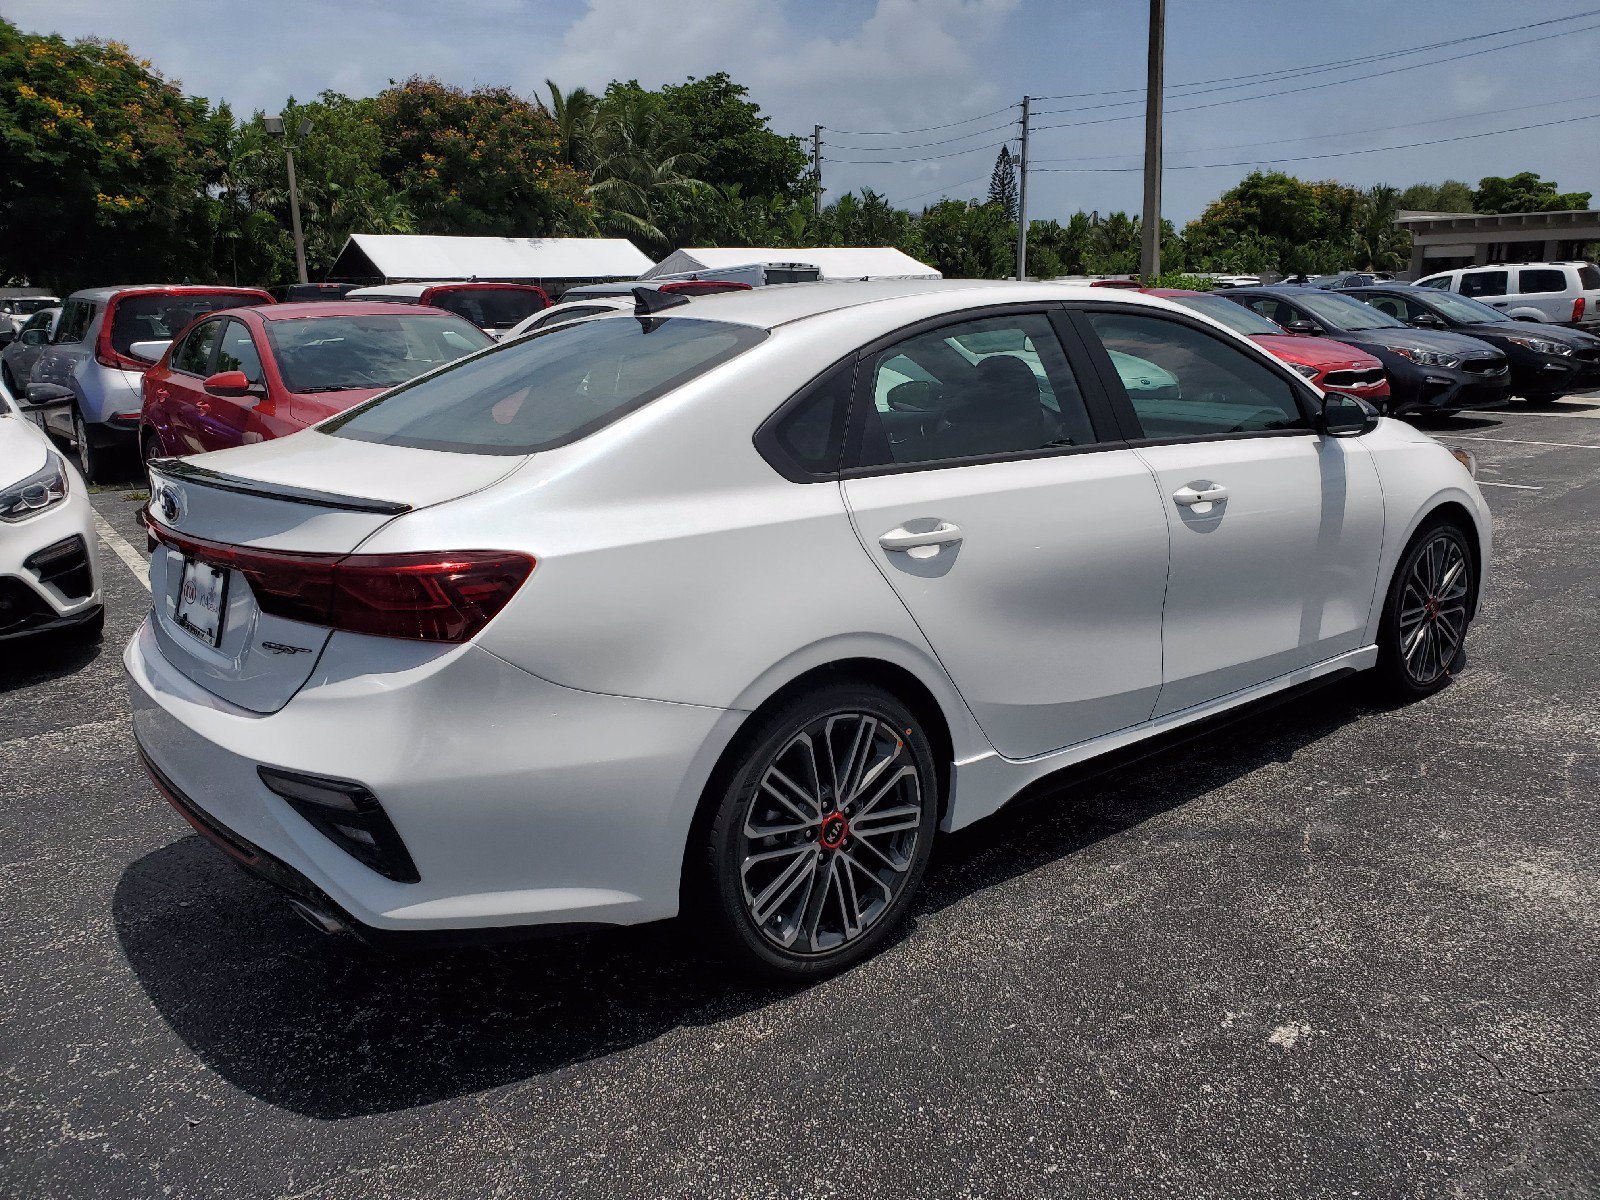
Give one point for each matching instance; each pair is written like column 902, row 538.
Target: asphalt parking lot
column 1337, row 949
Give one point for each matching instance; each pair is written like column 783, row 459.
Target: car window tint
column 577, row 312
column 997, row 385
column 193, row 355
column 372, row 350
column 1541, row 280
column 1275, row 311
column 1438, row 282
column 238, row 351
column 1483, row 283
column 161, row 316
column 1182, row 382
column 76, row 318
column 489, row 308
column 1396, row 307
column 1589, row 277
column 811, row 432
column 540, row 392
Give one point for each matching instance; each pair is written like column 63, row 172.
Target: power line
column 1321, row 68
column 943, row 187
column 1265, row 162
column 928, row 145
column 881, row 162
column 925, row 129
column 1330, row 83
column 1313, row 137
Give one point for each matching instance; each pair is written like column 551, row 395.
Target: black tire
column 91, row 461
column 753, row 891
column 149, row 448
column 1431, row 599
column 10, row 381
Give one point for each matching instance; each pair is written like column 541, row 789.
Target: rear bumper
column 522, row 803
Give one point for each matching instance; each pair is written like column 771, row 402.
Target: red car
column 248, row 374
column 1332, row 366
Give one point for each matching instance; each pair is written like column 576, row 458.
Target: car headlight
column 1539, row 345
column 1308, row 372
column 1466, row 458
column 44, row 489
column 1424, row 357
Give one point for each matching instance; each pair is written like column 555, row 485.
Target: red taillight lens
column 434, row 596
column 1577, row 309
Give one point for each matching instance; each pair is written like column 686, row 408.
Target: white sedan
column 49, row 574
column 731, row 605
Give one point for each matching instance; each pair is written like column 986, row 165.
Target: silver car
column 17, row 359
column 94, row 355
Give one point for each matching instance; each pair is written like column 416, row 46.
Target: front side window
column 1484, row 283
column 1275, row 311
column 547, row 389
column 993, row 386
column 1183, row 383
column 1395, row 306
column 1541, row 280
column 238, row 351
column 372, row 350
column 76, row 318
column 193, row 355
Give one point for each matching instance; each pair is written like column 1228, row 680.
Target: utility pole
column 1022, row 199
column 276, row 127
column 816, row 169
column 1150, row 229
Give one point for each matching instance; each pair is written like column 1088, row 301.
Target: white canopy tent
column 835, row 262
column 413, row 258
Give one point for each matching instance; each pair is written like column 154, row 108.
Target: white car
column 1561, row 293
column 732, row 606
column 49, row 572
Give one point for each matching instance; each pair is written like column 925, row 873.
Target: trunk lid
column 304, row 494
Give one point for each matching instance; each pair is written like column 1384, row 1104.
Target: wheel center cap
column 1433, row 609
column 834, row 830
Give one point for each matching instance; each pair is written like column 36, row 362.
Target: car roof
column 343, row 308
column 105, row 293
column 770, row 307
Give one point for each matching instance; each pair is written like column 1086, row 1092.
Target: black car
column 1546, row 360
column 1430, row 370
column 289, row 293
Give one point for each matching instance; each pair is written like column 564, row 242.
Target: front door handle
column 942, row 534
column 1206, row 493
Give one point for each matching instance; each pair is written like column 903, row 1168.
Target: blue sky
column 909, row 64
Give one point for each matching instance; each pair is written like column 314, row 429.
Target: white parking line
column 1521, row 487
column 1522, row 442
column 119, row 546
column 1584, row 413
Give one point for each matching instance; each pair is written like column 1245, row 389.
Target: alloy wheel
column 830, row 833
column 85, row 451
column 1433, row 609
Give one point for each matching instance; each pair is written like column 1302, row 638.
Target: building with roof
column 835, row 262
column 1442, row 241
column 554, row 263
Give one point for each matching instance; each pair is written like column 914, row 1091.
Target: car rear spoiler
column 187, row 472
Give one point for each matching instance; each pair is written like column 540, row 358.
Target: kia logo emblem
column 169, row 502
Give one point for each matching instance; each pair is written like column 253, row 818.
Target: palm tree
column 638, row 165
column 574, row 115
column 1378, row 242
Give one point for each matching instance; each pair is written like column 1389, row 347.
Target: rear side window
column 1182, row 383
column 75, row 320
column 193, row 354
column 1589, row 277
column 548, row 389
column 159, row 316
column 1484, row 283
column 807, row 440
column 1541, row 280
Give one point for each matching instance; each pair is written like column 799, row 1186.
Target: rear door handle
column 1206, row 494
column 942, row 534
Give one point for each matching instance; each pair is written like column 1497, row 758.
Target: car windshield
column 1466, row 310
column 489, row 308
column 1343, row 312
column 162, row 316
column 1235, row 316
column 338, row 353
column 549, row 388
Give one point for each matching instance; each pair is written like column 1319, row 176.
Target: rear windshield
column 489, row 308
column 549, row 388
column 332, row 354
column 1235, row 316
column 154, row 316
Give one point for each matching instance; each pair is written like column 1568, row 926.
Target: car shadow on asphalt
column 329, row 1029
column 45, row 657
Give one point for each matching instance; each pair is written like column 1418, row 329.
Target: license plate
column 202, row 600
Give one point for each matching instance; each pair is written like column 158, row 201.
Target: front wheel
column 1422, row 637
column 821, row 835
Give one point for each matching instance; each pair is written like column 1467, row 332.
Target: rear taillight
column 1577, row 310
column 108, row 355
column 435, row 596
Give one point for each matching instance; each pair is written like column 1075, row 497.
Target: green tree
column 1003, row 184
column 714, row 117
column 1524, row 192
column 106, row 165
column 641, row 165
column 574, row 115
column 1291, row 224
column 869, row 220
column 480, row 162
column 968, row 241
column 1377, row 242
column 1450, row 196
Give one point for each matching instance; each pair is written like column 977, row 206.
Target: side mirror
column 35, row 337
column 149, row 351
column 1347, row 416
column 227, row 383
column 1302, row 327
column 1427, row 321
column 47, row 395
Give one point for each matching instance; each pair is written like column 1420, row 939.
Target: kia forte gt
column 730, row 606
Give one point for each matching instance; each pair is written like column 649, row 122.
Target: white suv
column 1564, row 293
